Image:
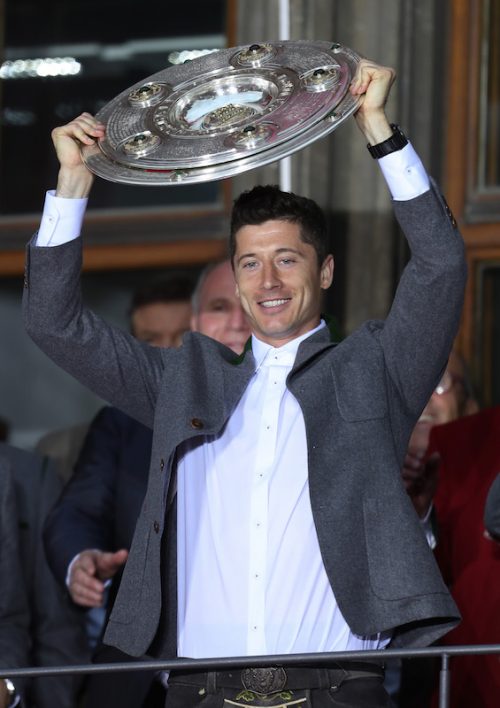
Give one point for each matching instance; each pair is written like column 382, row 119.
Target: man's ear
column 326, row 272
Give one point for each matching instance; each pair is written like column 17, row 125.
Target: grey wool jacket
column 360, row 399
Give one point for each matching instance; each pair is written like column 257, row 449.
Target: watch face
column 11, row 689
column 224, row 113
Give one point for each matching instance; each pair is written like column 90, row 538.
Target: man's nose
column 270, row 277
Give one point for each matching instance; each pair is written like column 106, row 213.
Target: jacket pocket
column 400, row 563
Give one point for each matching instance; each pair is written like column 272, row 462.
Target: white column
column 284, row 33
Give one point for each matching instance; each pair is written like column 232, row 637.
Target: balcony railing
column 445, row 653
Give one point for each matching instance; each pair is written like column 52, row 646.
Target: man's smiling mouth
column 274, row 303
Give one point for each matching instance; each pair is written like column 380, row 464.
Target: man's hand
column 373, row 84
column 75, row 180
column 88, row 573
column 420, row 472
column 421, row 478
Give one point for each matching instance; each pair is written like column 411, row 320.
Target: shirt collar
column 285, row 355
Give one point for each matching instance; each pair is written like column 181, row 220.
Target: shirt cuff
column 61, row 220
column 404, row 173
column 427, row 528
column 70, row 566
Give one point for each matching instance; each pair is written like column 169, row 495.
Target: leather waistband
column 276, row 678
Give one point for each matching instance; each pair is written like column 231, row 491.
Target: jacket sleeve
column 83, row 516
column 419, row 330
column 58, row 633
column 110, row 362
column 14, row 613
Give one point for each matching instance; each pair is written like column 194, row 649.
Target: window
column 63, row 58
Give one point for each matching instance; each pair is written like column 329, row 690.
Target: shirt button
column 162, row 464
column 196, row 423
column 156, row 526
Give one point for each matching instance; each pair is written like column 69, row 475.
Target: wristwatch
column 14, row 697
column 396, row 142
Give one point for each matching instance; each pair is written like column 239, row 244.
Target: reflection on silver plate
column 224, row 113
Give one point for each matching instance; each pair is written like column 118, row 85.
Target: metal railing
column 445, row 653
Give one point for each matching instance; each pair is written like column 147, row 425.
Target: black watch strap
column 396, row 142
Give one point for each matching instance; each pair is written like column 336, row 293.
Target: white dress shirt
column 250, row 575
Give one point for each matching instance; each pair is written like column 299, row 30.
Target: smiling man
column 280, row 277
column 275, row 520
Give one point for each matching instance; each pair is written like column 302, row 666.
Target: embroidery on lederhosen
column 266, row 701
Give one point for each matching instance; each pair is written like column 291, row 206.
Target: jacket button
column 449, row 213
column 196, row 423
column 156, row 526
column 162, row 464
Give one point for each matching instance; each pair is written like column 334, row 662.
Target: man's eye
column 287, row 261
column 218, row 306
column 250, row 264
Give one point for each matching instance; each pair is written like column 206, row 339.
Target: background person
column 453, row 398
column 14, row 610
column 56, row 633
column 469, row 460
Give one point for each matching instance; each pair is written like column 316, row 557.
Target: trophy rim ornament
column 224, row 113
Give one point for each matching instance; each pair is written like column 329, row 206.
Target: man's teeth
column 273, row 303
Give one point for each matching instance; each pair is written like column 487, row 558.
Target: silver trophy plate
column 224, row 113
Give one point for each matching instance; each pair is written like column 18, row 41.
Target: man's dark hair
column 263, row 203
column 173, row 288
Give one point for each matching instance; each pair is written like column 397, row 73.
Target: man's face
column 279, row 281
column 219, row 310
column 161, row 324
column 447, row 403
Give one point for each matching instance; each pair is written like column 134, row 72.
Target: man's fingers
column 88, row 572
column 109, row 563
column 367, row 73
column 86, row 597
column 86, row 129
column 85, row 589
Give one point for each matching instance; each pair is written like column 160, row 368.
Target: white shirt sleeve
column 404, row 173
column 61, row 220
